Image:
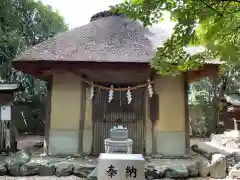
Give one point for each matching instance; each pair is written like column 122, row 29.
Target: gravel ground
column 41, row 178
column 77, row 178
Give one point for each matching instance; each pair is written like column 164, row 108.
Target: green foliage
column 215, row 24
column 203, row 92
column 25, row 23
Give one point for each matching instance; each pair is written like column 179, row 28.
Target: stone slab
column 120, row 167
column 63, row 142
column 171, row 143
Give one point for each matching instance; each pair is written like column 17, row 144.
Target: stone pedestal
column 123, row 146
column 120, row 167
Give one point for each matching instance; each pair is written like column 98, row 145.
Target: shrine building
column 99, row 76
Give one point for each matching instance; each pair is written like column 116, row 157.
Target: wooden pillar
column 187, row 124
column 48, row 79
column 82, row 117
column 149, row 129
column 88, row 125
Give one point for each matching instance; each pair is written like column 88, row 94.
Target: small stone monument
column 120, row 167
column 118, row 141
column 217, row 168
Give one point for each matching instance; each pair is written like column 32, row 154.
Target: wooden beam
column 39, row 68
column 204, row 71
column 80, row 65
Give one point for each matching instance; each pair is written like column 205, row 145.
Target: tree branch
column 237, row 1
column 210, row 7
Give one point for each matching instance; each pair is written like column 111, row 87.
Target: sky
column 79, row 12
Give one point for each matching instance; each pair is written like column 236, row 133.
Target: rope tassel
column 110, row 95
column 150, row 89
column 129, row 95
column 111, row 89
column 92, row 91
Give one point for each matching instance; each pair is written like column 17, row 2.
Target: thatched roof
column 108, row 39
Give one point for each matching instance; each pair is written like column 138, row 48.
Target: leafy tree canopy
column 25, row 23
column 214, row 24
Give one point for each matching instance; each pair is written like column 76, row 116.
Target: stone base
column 115, row 146
column 82, row 167
column 63, row 142
column 171, row 144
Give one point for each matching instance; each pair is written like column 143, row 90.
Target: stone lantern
column 7, row 125
column 118, row 141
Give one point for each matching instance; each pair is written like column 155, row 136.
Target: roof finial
column 114, row 11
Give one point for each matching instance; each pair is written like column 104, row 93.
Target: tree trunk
column 222, row 113
column 217, row 115
column 213, row 124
